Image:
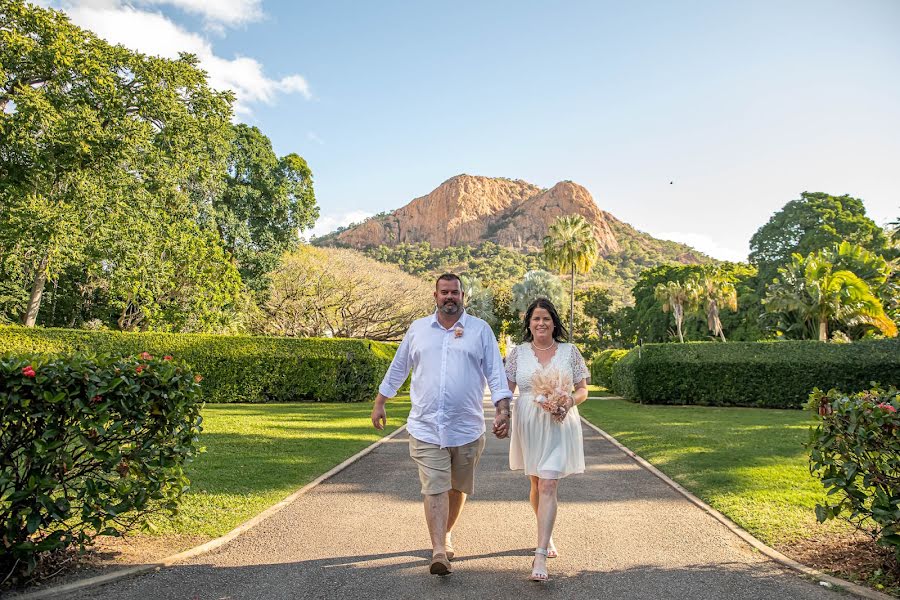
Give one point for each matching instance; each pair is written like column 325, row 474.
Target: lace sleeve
column 511, row 363
column 579, row 368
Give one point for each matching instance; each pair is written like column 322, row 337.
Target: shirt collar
column 461, row 322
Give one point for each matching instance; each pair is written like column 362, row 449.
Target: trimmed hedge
column 234, row 368
column 764, row 374
column 602, row 364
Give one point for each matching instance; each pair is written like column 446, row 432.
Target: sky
column 691, row 120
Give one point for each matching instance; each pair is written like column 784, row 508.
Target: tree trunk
column 823, row 330
column 572, row 307
column 37, row 291
column 679, row 317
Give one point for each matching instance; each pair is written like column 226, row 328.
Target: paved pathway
column 622, row 534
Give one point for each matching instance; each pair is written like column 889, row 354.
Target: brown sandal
column 439, row 564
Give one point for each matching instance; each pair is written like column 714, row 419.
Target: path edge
column 841, row 584
column 211, row 545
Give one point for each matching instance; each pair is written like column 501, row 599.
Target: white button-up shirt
column 449, row 372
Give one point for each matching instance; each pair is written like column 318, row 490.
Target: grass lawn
column 748, row 463
column 256, row 454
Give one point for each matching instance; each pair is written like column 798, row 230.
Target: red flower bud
column 167, row 357
column 887, row 407
column 139, row 368
column 29, row 371
column 96, row 399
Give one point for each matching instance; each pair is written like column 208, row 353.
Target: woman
column 548, row 447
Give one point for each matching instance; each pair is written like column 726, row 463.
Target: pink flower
column 167, row 357
column 139, row 368
column 146, row 356
column 198, row 378
column 29, row 371
column 887, row 407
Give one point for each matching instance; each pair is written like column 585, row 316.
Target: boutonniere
column 458, row 331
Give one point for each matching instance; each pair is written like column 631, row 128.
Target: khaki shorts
column 443, row 469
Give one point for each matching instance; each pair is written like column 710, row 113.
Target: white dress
column 540, row 445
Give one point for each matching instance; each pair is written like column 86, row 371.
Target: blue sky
column 742, row 105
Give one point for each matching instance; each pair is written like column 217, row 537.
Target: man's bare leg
column 437, row 511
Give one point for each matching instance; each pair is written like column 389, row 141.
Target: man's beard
column 449, row 308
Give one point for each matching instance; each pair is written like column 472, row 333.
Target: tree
column 714, row 290
column 678, row 298
column 570, row 246
column 810, row 294
column 87, row 127
column 814, row 222
column 537, row 284
column 342, row 293
column 598, row 307
column 479, row 299
column 266, row 202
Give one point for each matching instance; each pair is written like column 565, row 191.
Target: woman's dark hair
column 559, row 332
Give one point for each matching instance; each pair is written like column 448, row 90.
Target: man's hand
column 379, row 417
column 501, row 419
column 501, row 425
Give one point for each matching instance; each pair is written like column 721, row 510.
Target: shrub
column 236, row 368
column 855, row 450
column 602, row 365
column 89, row 446
column 764, row 374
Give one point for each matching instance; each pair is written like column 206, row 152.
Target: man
column 451, row 354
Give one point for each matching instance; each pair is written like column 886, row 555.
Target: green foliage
column 570, row 246
column 645, row 321
column 538, row 284
column 813, row 222
column 602, row 366
column 764, row 374
column 93, row 133
column 236, row 368
column 813, row 294
column 89, row 446
column 265, row 202
column 479, row 299
column 855, row 450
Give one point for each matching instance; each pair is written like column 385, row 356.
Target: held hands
column 501, row 424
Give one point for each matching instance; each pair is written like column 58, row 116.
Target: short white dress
column 540, row 445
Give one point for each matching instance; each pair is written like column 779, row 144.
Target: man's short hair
column 448, row 277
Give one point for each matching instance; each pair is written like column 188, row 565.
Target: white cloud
column 154, row 33
column 705, row 244
column 328, row 223
column 218, row 12
column 311, row 136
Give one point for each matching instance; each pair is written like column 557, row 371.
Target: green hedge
column 235, row 368
column 602, row 364
column 89, row 446
column 766, row 374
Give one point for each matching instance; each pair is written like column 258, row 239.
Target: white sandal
column 551, row 550
column 537, row 575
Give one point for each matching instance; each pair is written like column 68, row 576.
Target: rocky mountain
column 467, row 210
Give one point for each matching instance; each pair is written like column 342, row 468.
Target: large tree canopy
column 814, row 222
column 89, row 131
column 267, row 201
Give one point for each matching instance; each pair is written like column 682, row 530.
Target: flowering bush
column 855, row 450
column 89, row 446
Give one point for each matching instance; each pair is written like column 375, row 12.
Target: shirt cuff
column 502, row 395
column 386, row 391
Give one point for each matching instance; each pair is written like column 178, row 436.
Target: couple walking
column 452, row 355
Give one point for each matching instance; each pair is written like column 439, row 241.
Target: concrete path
column 621, row 532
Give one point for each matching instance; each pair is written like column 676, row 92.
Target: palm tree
column 677, row 297
column 715, row 291
column 814, row 293
column 570, row 246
